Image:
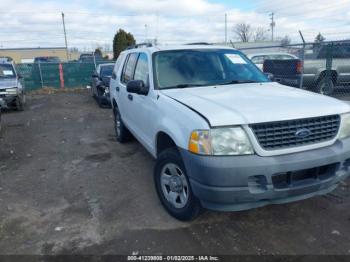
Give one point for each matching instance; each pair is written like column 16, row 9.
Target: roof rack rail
column 199, row 43
column 139, row 45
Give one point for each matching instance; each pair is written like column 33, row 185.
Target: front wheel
column 173, row 187
column 20, row 103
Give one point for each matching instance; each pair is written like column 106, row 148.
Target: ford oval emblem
column 302, row 133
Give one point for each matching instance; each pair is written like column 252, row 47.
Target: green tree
column 319, row 38
column 98, row 52
column 121, row 41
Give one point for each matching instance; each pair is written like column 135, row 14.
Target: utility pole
column 225, row 29
column 272, row 25
column 65, row 35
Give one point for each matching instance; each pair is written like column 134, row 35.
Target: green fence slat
column 76, row 74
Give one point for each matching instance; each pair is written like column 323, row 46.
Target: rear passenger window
column 141, row 70
column 128, row 70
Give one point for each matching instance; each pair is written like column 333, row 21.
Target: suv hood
column 6, row 83
column 255, row 103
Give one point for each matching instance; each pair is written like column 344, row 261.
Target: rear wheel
column 173, row 187
column 324, row 88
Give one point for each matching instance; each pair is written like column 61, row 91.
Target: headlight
column 11, row 91
column 220, row 141
column 344, row 126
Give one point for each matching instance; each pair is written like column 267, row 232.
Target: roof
column 177, row 47
column 268, row 53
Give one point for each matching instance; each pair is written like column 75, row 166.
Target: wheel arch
column 322, row 74
column 164, row 141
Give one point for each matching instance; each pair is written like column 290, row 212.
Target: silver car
column 11, row 89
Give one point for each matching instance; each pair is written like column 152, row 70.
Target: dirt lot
column 66, row 186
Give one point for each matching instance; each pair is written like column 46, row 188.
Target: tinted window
column 141, row 70
column 129, row 66
column 203, row 67
column 7, row 71
column 106, row 70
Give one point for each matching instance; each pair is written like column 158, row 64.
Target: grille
column 283, row 134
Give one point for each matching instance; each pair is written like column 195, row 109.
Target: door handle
column 117, row 88
column 130, row 97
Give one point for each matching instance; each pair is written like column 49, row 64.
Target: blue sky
column 90, row 24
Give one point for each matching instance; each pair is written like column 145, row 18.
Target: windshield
column 106, row 70
column 7, row 71
column 204, row 67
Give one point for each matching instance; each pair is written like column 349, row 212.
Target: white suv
column 224, row 136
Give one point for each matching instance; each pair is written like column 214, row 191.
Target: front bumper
column 233, row 183
column 8, row 100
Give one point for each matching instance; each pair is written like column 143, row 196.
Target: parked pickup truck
column 314, row 69
column 286, row 72
column 224, row 137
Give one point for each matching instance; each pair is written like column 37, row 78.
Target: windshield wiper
column 183, row 86
column 233, row 82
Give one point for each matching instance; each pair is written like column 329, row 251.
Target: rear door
column 124, row 97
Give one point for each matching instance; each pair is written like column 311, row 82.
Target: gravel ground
column 67, row 187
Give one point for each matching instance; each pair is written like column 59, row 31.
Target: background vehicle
column 47, row 59
column 11, row 89
column 225, row 137
column 2, row 104
column 286, row 72
column 259, row 58
column 90, row 58
column 100, row 83
column 314, row 68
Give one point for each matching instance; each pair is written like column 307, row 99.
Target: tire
column 99, row 100
column 20, row 103
column 173, row 187
column 92, row 91
column 322, row 84
column 121, row 132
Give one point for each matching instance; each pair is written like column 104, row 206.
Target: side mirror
column 19, row 76
column 94, row 74
column 137, row 87
column 270, row 76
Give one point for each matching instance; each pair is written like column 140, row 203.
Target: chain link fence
column 322, row 67
column 56, row 75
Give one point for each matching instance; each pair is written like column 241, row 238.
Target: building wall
column 27, row 54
